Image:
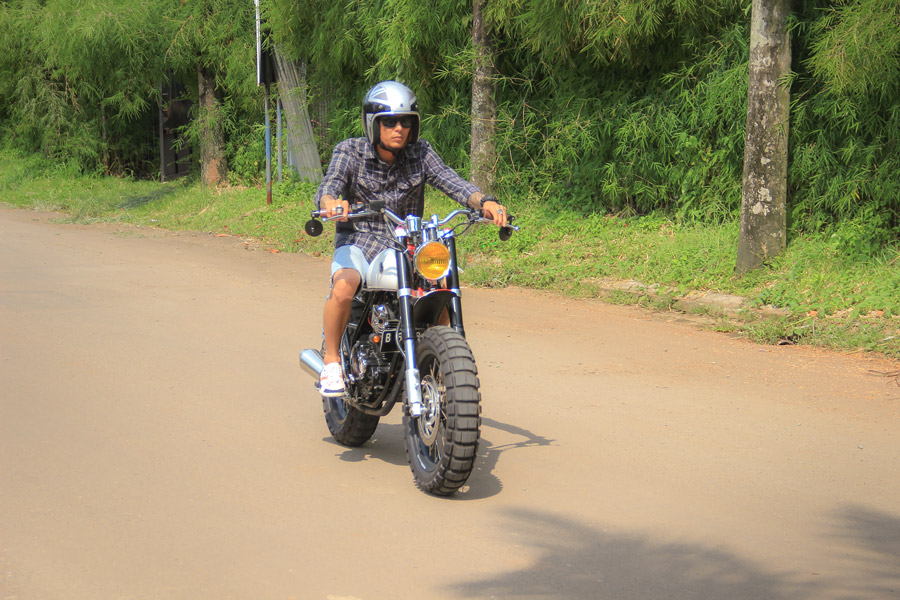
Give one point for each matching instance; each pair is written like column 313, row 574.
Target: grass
column 828, row 298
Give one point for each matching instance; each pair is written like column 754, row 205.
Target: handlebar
column 357, row 211
column 360, row 211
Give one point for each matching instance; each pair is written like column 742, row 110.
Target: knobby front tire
column 441, row 445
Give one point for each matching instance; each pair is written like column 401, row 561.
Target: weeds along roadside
column 827, row 292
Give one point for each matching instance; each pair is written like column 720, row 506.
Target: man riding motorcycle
column 391, row 163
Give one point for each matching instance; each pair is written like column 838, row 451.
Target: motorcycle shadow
column 484, row 483
column 387, row 446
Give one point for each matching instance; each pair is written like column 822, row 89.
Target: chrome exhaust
column 312, row 362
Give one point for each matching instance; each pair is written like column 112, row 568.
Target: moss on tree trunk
column 764, row 195
column 484, row 104
column 213, row 164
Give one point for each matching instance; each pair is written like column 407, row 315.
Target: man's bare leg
column 337, row 311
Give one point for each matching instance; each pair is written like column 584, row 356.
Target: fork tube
column 408, row 330
column 456, row 318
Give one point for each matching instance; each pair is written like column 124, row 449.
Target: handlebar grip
column 507, row 231
column 319, row 213
column 509, row 216
column 374, row 206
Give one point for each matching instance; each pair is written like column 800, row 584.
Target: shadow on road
column 580, row 562
column 484, row 483
column 157, row 194
column 873, row 569
column 576, row 561
column 387, row 445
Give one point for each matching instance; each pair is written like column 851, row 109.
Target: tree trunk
column 484, row 104
column 764, row 196
column 213, row 165
column 104, row 143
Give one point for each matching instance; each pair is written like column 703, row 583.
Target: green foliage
column 834, row 298
column 248, row 162
column 603, row 106
column 79, row 80
column 634, row 112
column 855, row 47
column 350, row 46
column 621, row 107
column 845, row 129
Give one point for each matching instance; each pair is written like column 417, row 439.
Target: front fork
column 408, row 329
column 408, row 332
column 456, row 320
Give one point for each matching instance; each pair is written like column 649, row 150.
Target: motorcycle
column 396, row 349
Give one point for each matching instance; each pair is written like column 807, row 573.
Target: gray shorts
column 350, row 257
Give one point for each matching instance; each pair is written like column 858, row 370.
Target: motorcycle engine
column 380, row 315
column 368, row 369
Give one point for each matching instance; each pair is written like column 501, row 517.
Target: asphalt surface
column 158, row 440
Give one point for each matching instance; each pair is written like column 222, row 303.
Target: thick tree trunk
column 764, row 197
column 484, row 105
column 213, row 165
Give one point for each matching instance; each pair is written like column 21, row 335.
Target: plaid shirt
column 357, row 174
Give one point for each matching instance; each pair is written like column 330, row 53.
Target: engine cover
column 368, row 370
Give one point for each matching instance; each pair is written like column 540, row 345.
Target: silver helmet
column 389, row 98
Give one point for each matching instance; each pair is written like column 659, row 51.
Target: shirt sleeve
column 337, row 176
column 442, row 177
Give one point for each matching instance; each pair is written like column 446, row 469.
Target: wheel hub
column 429, row 422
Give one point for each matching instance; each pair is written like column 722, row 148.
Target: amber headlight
column 432, row 260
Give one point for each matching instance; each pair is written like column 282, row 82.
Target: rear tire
column 348, row 425
column 441, row 445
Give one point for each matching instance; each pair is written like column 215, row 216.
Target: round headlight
column 432, row 260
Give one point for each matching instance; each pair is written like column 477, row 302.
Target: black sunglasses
column 391, row 122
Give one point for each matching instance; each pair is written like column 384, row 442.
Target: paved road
column 159, row 441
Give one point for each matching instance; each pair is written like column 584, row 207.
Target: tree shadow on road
column 575, row 561
column 868, row 543
column 580, row 562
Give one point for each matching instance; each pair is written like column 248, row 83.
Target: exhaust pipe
column 312, row 362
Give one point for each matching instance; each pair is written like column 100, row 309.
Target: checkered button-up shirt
column 357, row 174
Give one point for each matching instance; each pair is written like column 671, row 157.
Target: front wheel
column 441, row 444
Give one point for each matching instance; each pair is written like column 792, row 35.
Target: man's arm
column 448, row 181
column 334, row 184
column 445, row 179
column 474, row 200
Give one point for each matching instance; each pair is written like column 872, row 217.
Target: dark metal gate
column 173, row 113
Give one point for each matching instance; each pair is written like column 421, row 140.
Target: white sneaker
column 331, row 381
